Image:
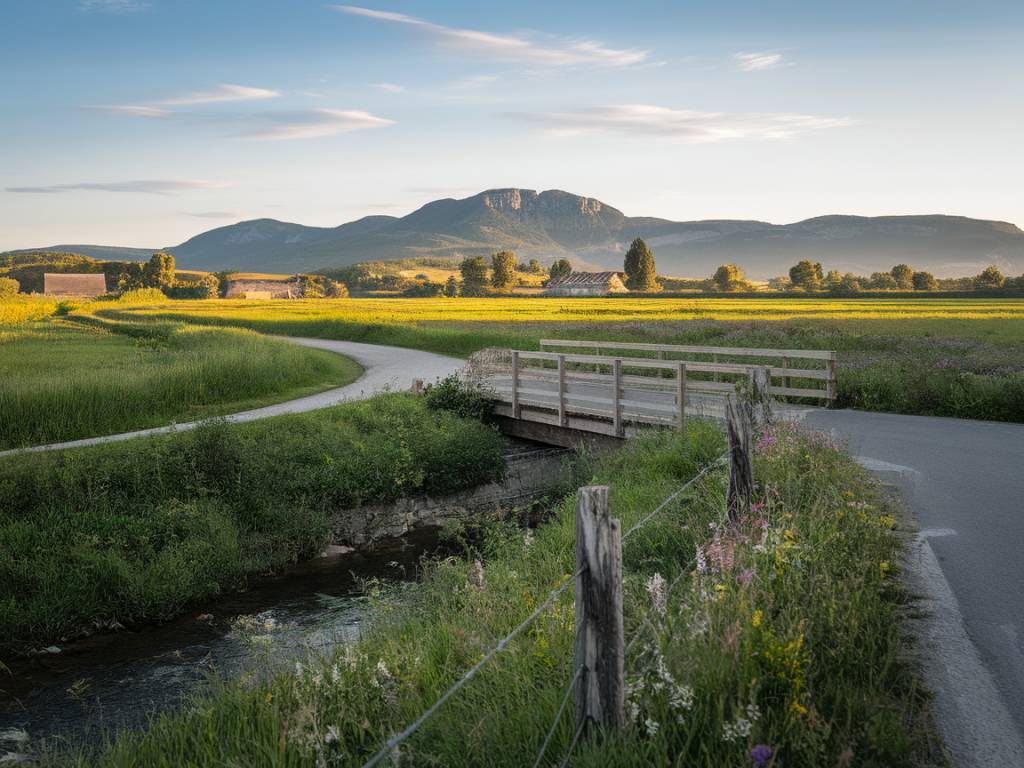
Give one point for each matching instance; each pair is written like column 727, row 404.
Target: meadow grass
column 61, row 380
column 138, row 530
column 943, row 357
column 784, row 635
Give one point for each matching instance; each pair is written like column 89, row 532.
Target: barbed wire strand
column 409, row 730
column 572, row 745
column 679, row 492
column 558, row 716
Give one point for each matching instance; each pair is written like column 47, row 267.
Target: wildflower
column 528, row 539
column 651, row 726
column 755, row 621
column 331, row 737
column 887, row 521
column 798, row 708
column 760, row 754
column 745, row 576
column 656, row 588
column 269, row 697
column 757, row 506
column 883, row 568
column 767, row 441
column 736, row 730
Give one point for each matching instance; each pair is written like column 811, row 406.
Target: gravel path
column 384, row 369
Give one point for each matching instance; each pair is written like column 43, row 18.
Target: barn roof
column 581, row 279
column 74, row 284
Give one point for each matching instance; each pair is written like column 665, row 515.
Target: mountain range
column 554, row 224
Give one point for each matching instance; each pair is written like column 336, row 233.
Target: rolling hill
column 555, row 224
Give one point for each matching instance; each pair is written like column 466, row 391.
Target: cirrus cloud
column 312, row 124
column 680, row 124
column 757, row 62
column 226, row 92
column 144, row 186
column 508, row 47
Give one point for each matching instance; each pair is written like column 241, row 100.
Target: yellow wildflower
column 887, row 521
column 270, row 697
column 798, row 708
column 883, row 568
column 756, row 620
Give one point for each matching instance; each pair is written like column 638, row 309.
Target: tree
column 882, row 281
column 158, row 272
column 806, row 275
column 561, row 268
column 474, row 276
column 503, row 271
column 991, row 277
column 846, row 285
column 924, row 281
column 780, row 283
column 451, row 287
column 534, row 267
column 728, row 277
column 224, row 281
column 641, row 274
column 832, row 279
column 335, row 290
column 8, row 287
column 130, row 278
column 904, row 276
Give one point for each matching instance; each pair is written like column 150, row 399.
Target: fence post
column 661, row 359
column 562, row 416
column 515, row 384
column 741, row 467
column 600, row 648
column 714, row 360
column 785, row 378
column 617, row 396
column 681, row 394
column 760, row 395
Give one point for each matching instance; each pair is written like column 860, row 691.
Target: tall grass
column 61, row 381
column 785, row 639
column 139, row 529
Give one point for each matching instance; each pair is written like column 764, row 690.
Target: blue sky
column 144, row 122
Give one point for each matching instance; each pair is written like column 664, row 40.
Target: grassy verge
column 780, row 648
column 941, row 357
column 139, row 529
column 62, row 381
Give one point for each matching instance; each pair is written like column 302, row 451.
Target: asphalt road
column 964, row 482
column 384, row 369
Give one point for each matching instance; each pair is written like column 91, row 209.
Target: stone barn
column 263, row 289
column 587, row 284
column 68, row 284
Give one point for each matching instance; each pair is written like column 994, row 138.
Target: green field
column 61, row 380
column 947, row 357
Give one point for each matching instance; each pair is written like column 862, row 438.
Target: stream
column 108, row 682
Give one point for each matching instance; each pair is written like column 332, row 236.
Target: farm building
column 67, row 284
column 263, row 289
column 587, row 284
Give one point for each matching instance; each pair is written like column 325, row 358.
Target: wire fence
column 555, row 593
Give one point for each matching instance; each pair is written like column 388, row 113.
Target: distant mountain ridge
column 556, row 224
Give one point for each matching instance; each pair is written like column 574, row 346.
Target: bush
column 455, row 395
column 8, row 287
column 143, row 296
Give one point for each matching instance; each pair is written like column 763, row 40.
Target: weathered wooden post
column 832, row 380
column 741, row 464
column 760, row 395
column 600, row 648
column 617, row 397
column 661, row 359
column 515, row 384
column 785, row 376
column 681, row 394
column 714, row 361
column 563, row 418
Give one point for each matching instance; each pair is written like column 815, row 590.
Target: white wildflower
column 651, row 726
column 657, row 589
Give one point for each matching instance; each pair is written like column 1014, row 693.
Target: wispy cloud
column 680, row 124
column 312, row 124
column 507, row 47
column 390, row 87
column 111, row 6
column 160, row 107
column 221, row 93
column 757, row 62
column 145, row 186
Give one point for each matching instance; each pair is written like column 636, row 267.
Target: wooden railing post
column 599, row 691
column 832, row 380
column 563, row 417
column 617, row 397
column 714, row 360
column 681, row 394
column 785, row 377
column 515, row 384
column 661, row 358
column 741, row 467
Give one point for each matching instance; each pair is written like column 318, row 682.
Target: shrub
column 453, row 394
column 143, row 296
column 8, row 287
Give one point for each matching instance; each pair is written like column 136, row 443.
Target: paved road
column 384, row 369
column 964, row 481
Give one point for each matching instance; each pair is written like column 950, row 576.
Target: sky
column 144, row 122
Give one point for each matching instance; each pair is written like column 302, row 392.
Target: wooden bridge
column 611, row 388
